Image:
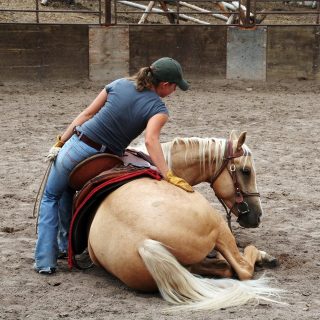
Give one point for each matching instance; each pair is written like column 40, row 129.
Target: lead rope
column 40, row 192
column 228, row 212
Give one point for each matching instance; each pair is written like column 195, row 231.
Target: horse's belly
column 147, row 209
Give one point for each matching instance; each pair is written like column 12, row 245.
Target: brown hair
column 144, row 79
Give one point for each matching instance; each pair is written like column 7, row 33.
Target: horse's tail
column 187, row 291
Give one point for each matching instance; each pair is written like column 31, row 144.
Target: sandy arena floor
column 283, row 124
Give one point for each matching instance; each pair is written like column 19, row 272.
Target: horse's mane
column 205, row 147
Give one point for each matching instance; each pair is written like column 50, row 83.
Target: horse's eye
column 246, row 171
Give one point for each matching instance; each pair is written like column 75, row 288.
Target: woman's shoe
column 48, row 270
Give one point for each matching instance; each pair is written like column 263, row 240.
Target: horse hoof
column 272, row 263
column 268, row 261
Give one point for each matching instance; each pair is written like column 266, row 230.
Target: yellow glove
column 179, row 182
column 59, row 143
column 53, row 152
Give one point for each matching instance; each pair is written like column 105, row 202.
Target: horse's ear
column 241, row 140
column 233, row 135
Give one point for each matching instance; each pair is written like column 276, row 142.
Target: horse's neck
column 191, row 159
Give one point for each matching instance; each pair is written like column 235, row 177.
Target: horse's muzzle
column 249, row 220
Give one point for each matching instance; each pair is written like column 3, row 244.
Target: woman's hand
column 179, row 182
column 53, row 152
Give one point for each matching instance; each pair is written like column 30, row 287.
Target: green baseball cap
column 169, row 70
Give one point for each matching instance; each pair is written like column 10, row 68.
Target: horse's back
column 150, row 209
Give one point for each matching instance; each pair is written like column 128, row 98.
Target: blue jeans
column 56, row 204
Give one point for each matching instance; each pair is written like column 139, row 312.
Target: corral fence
column 241, row 40
column 244, row 13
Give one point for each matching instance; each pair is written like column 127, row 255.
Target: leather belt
column 88, row 141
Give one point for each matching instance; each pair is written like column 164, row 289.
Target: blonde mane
column 210, row 151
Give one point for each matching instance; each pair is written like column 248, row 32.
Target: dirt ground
column 283, row 125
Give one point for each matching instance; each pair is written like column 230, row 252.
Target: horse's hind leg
column 213, row 266
column 243, row 265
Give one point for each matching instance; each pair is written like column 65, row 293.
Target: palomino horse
column 149, row 233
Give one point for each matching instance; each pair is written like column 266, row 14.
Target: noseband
column 240, row 204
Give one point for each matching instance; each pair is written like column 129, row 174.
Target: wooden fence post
column 107, row 12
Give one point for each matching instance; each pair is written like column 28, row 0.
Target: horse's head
column 226, row 164
column 234, row 182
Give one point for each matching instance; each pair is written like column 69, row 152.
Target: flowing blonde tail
column 187, row 291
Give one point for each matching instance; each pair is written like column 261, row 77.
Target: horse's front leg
column 242, row 264
column 213, row 266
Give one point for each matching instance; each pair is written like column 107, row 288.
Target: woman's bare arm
column 152, row 141
column 86, row 114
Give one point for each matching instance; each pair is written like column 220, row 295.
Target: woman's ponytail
column 144, row 79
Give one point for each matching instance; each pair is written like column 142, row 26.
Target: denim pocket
column 75, row 153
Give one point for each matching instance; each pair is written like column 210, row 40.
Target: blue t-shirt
column 124, row 116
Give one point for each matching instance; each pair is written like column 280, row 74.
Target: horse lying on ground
column 148, row 233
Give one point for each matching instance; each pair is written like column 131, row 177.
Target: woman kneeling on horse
column 122, row 111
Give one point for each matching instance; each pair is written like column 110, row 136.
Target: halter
column 240, row 204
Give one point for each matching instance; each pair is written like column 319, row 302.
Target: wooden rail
column 242, row 13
